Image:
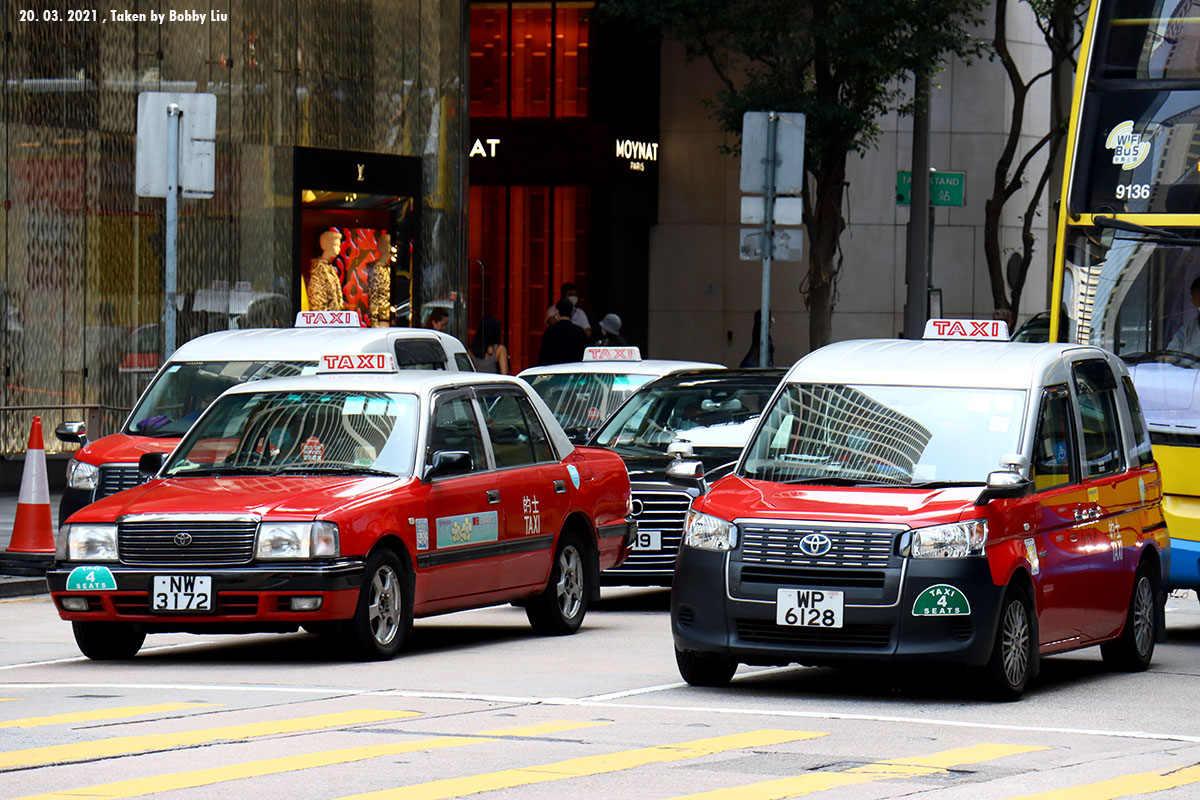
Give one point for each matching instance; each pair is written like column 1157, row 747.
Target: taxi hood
column 120, row 448
column 735, row 498
column 283, row 497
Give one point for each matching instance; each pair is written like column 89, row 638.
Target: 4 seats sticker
column 941, row 600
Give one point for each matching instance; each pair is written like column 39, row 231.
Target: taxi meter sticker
column 941, row 600
column 312, row 450
column 91, row 579
column 593, row 413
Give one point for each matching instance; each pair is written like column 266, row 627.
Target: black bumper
column 716, row 615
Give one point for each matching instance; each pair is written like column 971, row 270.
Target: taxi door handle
column 560, row 487
column 493, row 495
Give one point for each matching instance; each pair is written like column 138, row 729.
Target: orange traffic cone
column 32, row 543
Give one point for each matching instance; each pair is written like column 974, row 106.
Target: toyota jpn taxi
column 205, row 366
column 348, row 502
column 980, row 503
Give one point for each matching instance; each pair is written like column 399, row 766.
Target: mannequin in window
column 324, row 286
column 379, row 284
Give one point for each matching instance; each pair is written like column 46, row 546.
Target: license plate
column 809, row 608
column 182, row 593
column 648, row 540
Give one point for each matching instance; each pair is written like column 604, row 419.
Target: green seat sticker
column 941, row 600
column 91, row 579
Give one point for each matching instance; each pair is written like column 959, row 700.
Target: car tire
column 1133, row 649
column 1013, row 651
column 108, row 641
column 705, row 670
column 559, row 609
column 383, row 617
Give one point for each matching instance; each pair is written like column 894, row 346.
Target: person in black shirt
column 563, row 341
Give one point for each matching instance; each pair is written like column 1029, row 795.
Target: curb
column 22, row 587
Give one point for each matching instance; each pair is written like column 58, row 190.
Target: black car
column 704, row 415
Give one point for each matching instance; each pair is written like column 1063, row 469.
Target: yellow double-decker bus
column 1127, row 264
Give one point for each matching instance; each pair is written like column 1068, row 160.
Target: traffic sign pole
column 764, row 325
column 174, row 113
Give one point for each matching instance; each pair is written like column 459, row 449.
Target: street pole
column 916, row 308
column 768, row 250
column 174, row 112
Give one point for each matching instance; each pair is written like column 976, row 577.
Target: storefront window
column 489, row 60
column 571, row 59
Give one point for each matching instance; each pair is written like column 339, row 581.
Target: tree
column 840, row 62
column 1061, row 24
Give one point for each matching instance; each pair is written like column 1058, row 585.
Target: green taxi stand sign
column 945, row 188
column 91, row 579
column 941, row 600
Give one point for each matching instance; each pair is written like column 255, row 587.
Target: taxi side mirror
column 149, row 464
column 72, row 432
column 687, row 474
column 448, row 462
column 1003, row 484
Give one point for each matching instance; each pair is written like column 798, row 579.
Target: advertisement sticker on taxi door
column 468, row 529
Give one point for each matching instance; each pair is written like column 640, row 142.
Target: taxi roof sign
column 991, row 330
column 612, row 354
column 356, row 363
column 328, row 319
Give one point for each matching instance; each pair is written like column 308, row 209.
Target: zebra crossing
column 190, row 742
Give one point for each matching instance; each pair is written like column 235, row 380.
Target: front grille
column 825, row 578
column 779, row 544
column 662, row 511
column 137, row 604
column 765, row 631
column 213, row 541
column 117, row 478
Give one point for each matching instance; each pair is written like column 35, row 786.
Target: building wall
column 82, row 272
column 702, row 297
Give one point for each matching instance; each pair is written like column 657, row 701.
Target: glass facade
column 82, row 278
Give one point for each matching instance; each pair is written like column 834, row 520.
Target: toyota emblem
column 816, row 544
column 636, row 507
column 183, row 539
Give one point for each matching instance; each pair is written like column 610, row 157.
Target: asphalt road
column 478, row 705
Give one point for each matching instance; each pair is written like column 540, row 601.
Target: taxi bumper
column 249, row 598
column 707, row 618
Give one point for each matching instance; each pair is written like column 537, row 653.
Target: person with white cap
column 610, row 332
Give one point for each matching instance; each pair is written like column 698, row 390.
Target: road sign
column 197, row 143
column 789, row 153
column 788, row 244
column 945, row 188
column 788, row 210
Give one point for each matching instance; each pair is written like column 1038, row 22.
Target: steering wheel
column 1163, row 355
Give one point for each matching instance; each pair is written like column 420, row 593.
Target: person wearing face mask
column 570, row 293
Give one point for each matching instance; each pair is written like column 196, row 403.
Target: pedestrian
column 571, row 293
column 438, row 319
column 610, row 332
column 751, row 359
column 487, row 354
column 563, row 341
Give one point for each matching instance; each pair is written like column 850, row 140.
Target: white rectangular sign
column 197, row 143
column 788, row 210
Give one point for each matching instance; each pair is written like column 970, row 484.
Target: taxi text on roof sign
column 357, row 362
column 328, row 319
column 612, row 354
column 995, row 330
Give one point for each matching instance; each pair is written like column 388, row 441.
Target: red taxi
column 349, row 502
column 981, row 503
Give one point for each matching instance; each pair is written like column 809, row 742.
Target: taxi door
column 531, row 481
column 465, row 513
column 1054, row 525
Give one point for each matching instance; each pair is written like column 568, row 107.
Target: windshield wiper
column 1161, row 235
column 837, row 481
column 939, row 484
column 193, row 473
column 335, row 470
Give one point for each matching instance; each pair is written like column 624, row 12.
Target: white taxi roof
column 304, row 344
column 652, row 367
column 422, row 383
column 906, row 362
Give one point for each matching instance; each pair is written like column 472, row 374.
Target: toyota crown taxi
column 348, row 502
column 980, row 503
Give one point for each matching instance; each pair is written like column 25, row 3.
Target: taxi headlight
column 82, row 541
column 81, row 475
column 709, row 533
column 297, row 540
column 958, row 540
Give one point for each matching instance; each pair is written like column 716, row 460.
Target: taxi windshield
column 707, row 413
column 182, row 392
column 271, row 433
column 892, row 435
column 583, row 400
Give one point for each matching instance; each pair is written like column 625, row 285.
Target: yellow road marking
column 138, row 787
column 1124, row 786
column 587, row 765
column 128, row 745
column 932, row 764
column 102, row 714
